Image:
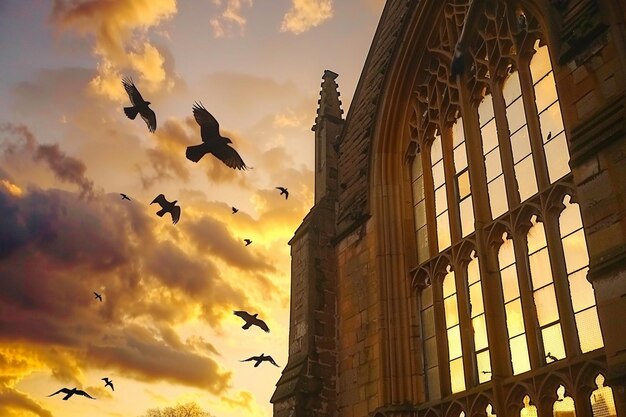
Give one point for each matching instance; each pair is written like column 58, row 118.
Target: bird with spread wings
column 260, row 359
column 167, row 207
column 71, row 392
column 108, row 383
column 251, row 320
column 139, row 105
column 213, row 142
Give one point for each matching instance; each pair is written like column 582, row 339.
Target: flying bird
column 248, row 241
column 214, row 143
column 251, row 320
column 551, row 357
column 260, row 359
column 98, row 296
column 283, row 190
column 108, row 383
column 124, row 197
column 167, row 207
column 71, row 392
column 234, row 209
column 139, row 105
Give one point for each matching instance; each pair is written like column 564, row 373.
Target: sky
column 164, row 332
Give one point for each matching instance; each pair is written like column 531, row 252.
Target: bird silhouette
column 234, row 209
column 167, row 207
column 260, row 359
column 71, row 392
column 283, row 190
column 248, row 241
column 214, row 143
column 549, row 137
column 108, row 383
column 98, row 296
column 124, row 197
column 139, row 105
column 251, row 320
column 551, row 357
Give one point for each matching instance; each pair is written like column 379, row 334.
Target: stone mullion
column 429, row 200
column 504, row 141
column 529, row 313
column 561, row 286
column 454, row 217
column 443, row 356
column 467, row 334
column 582, row 402
column 488, row 262
column 534, row 129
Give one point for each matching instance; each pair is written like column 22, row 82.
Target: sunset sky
column 165, row 332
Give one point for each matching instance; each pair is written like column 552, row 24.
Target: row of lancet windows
column 601, row 402
column 544, row 289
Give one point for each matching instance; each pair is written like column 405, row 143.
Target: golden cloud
column 305, row 15
column 120, row 29
column 230, row 19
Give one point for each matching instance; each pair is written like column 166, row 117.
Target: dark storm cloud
column 66, row 168
column 56, row 249
column 213, row 239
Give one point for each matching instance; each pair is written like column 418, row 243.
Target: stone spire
column 328, row 126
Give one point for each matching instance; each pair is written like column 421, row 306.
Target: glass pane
column 514, row 318
column 525, row 175
column 540, row 64
column 483, row 365
column 467, row 216
column 439, row 177
column 602, row 402
column 589, row 332
column 540, row 271
column 432, row 378
column 545, row 302
column 463, row 182
column 452, row 312
column 418, row 189
column 551, row 122
column 473, row 272
column 497, row 197
column 480, row 332
column 515, row 115
column 575, row 249
column 420, row 215
column 443, row 231
column 557, row 157
column 485, row 111
column 581, row 291
column 460, row 157
column 416, row 167
column 426, row 297
column 493, row 166
column 423, row 252
column 441, row 201
column 457, row 376
column 435, row 150
column 428, row 323
column 519, row 354
column 511, row 89
column 564, row 407
column 454, row 343
column 520, row 144
column 570, row 220
column 476, row 299
column 430, row 352
column 489, row 135
column 553, row 342
column 545, row 92
column 510, row 288
column 506, row 254
column 536, row 237
column 449, row 286
column 457, row 132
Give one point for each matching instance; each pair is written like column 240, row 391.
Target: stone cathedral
column 466, row 252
